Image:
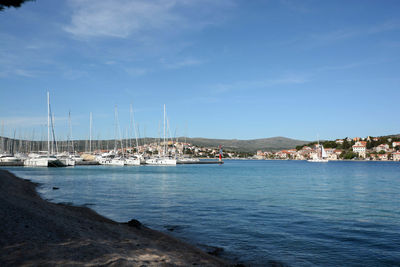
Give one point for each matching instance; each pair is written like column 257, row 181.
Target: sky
column 231, row 69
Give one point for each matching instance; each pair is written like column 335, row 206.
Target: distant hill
column 272, row 143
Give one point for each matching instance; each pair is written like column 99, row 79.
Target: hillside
column 272, row 143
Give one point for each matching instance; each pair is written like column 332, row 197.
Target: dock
column 95, row 163
column 200, row 162
column 86, row 163
column 10, row 164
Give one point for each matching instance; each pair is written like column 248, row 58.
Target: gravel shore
column 35, row 232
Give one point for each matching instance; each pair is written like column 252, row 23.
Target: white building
column 360, row 148
column 394, row 144
column 382, row 147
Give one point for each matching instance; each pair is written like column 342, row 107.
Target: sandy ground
column 35, row 232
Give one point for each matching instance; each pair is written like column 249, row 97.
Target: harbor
column 95, row 163
column 164, row 152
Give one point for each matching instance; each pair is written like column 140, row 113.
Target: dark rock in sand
column 216, row 251
column 135, row 223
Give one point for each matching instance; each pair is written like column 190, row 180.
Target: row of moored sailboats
column 116, row 157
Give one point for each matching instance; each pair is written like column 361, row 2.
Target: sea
column 258, row 213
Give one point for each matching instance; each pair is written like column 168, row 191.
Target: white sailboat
column 112, row 158
column 49, row 160
column 320, row 156
column 164, row 159
column 133, row 160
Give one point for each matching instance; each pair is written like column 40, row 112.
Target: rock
column 55, row 188
column 135, row 223
column 215, row 251
column 172, row 228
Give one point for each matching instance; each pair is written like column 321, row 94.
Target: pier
column 9, row 164
column 95, row 163
column 200, row 162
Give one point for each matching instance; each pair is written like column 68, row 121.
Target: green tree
column 329, row 144
column 369, row 145
column 350, row 155
column 346, row 144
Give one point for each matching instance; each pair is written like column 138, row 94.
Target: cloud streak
column 259, row 84
column 124, row 18
column 28, row 121
column 344, row 34
column 182, row 63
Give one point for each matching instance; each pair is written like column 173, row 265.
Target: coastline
column 36, row 232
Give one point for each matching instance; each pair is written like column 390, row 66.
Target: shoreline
column 36, row 232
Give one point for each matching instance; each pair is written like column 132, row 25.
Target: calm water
column 293, row 212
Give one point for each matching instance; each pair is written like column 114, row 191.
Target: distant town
column 357, row 148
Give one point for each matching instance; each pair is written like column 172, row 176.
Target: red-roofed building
column 360, row 148
column 383, row 156
column 396, row 156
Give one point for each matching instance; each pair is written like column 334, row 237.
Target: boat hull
column 318, row 160
column 132, row 162
column 43, row 162
column 161, row 161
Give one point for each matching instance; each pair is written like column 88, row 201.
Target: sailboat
column 69, row 157
column 164, row 159
column 49, row 160
column 320, row 156
column 133, row 160
column 113, row 158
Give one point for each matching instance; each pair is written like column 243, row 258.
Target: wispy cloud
column 182, row 63
column 296, row 6
column 123, row 18
column 348, row 33
column 17, row 72
column 259, row 84
column 136, row 71
column 19, row 59
column 27, row 121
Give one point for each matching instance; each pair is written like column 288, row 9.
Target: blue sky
column 225, row 69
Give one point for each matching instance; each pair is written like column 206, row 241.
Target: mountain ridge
column 248, row 145
column 238, row 145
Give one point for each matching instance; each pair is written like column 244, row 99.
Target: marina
column 167, row 154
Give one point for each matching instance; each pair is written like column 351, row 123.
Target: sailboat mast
column 134, row 128
column 130, row 125
column 116, row 128
column 118, row 131
column 90, row 133
column 165, row 147
column 2, row 136
column 48, row 123
column 70, row 133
